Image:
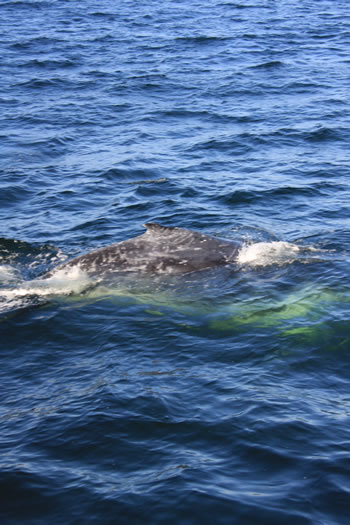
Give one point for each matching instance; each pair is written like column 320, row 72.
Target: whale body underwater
column 159, row 250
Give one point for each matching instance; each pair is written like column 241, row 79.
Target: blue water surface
column 219, row 397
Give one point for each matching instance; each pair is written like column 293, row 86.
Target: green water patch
column 302, row 315
column 292, row 315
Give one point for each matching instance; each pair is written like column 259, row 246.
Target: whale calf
column 160, row 250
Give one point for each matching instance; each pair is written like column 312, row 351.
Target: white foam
column 62, row 282
column 8, row 274
column 266, row 253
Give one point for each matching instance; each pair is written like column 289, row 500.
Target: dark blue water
column 220, row 397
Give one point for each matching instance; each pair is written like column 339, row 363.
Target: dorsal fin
column 154, row 227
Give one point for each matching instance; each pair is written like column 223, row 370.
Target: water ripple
column 221, row 395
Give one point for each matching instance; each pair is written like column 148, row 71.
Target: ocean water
column 220, row 396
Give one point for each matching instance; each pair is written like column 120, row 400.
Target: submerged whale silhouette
column 161, row 250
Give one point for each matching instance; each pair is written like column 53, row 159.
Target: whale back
column 161, row 249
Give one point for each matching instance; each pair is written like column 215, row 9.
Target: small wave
column 203, row 39
column 34, row 43
column 103, row 14
column 48, row 63
column 129, row 176
column 40, row 82
column 221, row 145
column 272, row 64
column 244, row 196
column 56, row 82
column 26, row 260
column 12, row 194
column 324, row 134
column 28, row 4
column 149, row 181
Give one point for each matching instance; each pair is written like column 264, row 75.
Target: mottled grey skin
column 160, row 250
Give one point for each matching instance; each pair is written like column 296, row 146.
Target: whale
column 159, row 250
